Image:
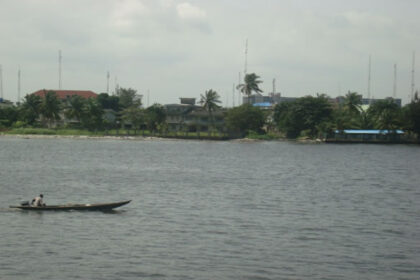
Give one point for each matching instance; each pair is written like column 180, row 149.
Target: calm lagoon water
column 211, row 210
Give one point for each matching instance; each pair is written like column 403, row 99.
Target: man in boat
column 37, row 201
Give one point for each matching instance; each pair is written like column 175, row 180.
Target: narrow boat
column 78, row 207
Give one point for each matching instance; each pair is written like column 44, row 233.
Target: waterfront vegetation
column 122, row 114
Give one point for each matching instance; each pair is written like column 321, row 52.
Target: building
column 366, row 101
column 366, row 136
column 66, row 94
column 273, row 98
column 189, row 117
column 5, row 103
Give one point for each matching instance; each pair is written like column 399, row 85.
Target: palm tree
column 31, row 108
column 353, row 102
column 250, row 84
column 209, row 102
column 155, row 117
column 50, row 108
column 135, row 116
column 92, row 116
column 75, row 108
column 386, row 114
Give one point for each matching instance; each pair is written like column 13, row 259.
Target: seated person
column 37, row 201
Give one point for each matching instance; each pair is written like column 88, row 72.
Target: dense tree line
column 317, row 116
column 306, row 116
column 89, row 114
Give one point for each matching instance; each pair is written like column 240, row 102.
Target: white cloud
column 194, row 45
column 189, row 12
column 126, row 12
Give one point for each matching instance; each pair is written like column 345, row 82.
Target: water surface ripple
column 211, row 210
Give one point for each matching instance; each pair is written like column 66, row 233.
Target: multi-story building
column 189, row 117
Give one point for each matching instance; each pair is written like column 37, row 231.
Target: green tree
column 31, row 108
column 245, row 118
column 210, row 101
column 250, row 85
column 92, row 117
column 310, row 114
column 351, row 114
column 155, row 117
column 386, row 114
column 412, row 116
column 128, row 98
column 8, row 116
column 50, row 108
column 108, row 101
column 353, row 103
column 75, row 108
column 135, row 116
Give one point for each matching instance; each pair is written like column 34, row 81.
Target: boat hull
column 77, row 207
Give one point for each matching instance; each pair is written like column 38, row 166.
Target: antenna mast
column 107, row 82
column 116, row 86
column 368, row 89
column 246, row 57
column 274, row 86
column 412, row 76
column 239, row 91
column 1, row 82
column 18, row 86
column 233, row 95
column 394, row 94
column 59, row 69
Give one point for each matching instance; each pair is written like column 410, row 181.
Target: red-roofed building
column 66, row 94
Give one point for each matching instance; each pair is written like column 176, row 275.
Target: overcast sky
column 175, row 49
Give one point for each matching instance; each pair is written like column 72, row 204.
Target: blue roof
column 262, row 104
column 369, row 131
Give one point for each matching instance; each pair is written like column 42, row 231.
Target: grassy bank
column 46, row 131
column 132, row 133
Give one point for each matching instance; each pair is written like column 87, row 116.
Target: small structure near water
column 367, row 136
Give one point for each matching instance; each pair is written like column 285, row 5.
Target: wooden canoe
column 78, row 207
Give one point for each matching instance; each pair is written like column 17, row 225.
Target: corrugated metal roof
column 63, row 94
column 369, row 131
column 262, row 104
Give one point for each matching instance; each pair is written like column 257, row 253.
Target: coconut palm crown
column 250, row 84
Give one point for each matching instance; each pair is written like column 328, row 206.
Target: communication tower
column 59, row 69
column 369, row 78
column 239, row 91
column 274, row 86
column 18, row 86
column 107, row 82
column 394, row 93
column 233, row 95
column 412, row 76
column 1, row 82
column 246, row 57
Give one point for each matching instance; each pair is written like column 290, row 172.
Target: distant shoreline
column 122, row 137
column 77, row 137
